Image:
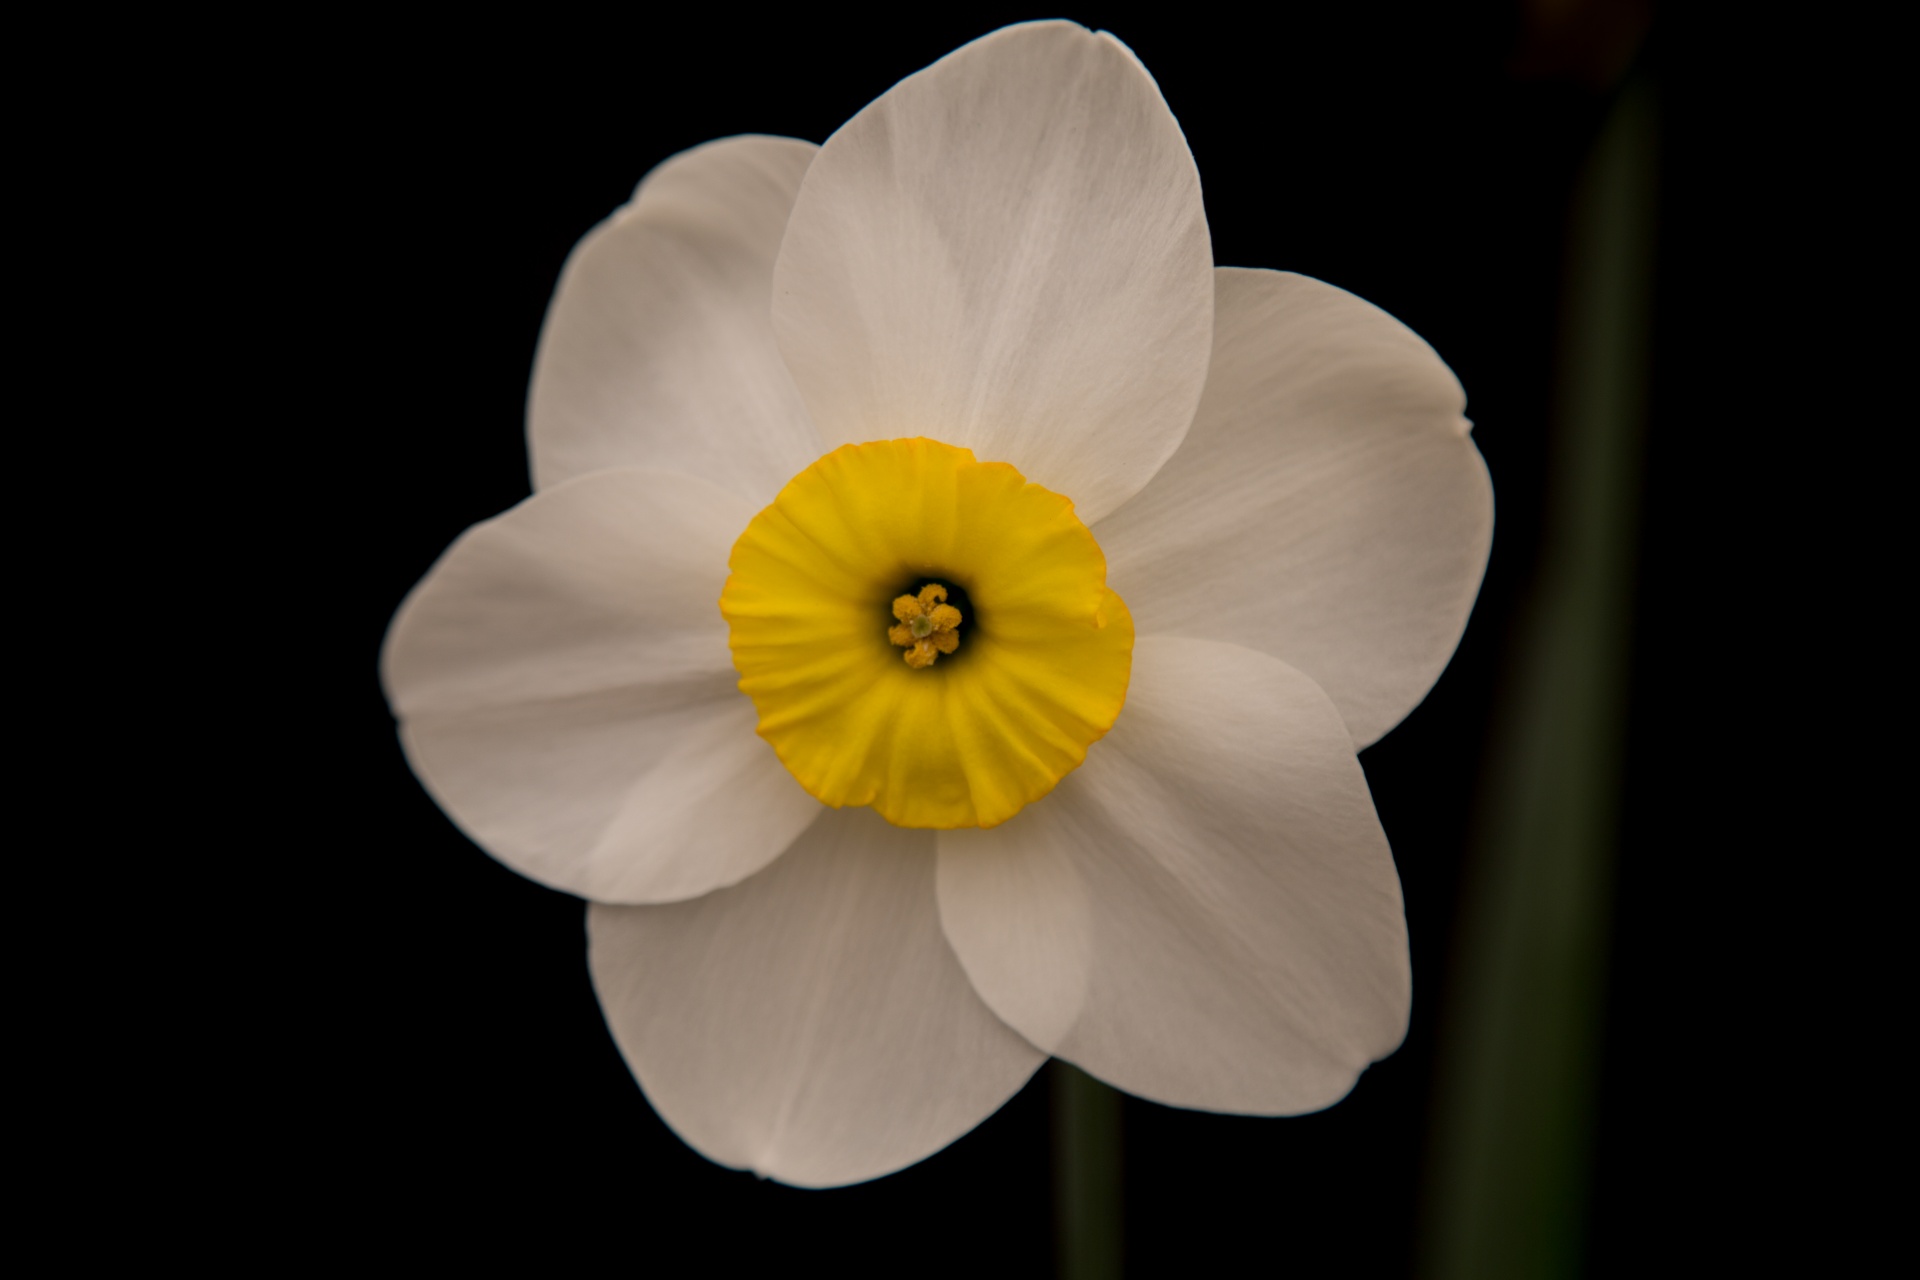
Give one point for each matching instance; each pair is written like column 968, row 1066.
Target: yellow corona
column 1017, row 654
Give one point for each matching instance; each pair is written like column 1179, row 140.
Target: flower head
column 945, row 621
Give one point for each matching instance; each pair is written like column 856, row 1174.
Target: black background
column 410, row 1052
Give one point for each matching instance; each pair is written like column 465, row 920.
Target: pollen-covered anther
column 927, row 626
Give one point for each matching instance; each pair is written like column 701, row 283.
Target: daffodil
column 945, row 622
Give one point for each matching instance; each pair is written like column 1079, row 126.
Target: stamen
column 927, row 626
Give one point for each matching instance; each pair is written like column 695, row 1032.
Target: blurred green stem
column 1512, row 1143
column 1086, row 1175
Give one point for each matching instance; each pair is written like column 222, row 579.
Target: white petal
column 1205, row 913
column 658, row 349
column 565, row 692
column 1007, row 252
column 811, row 1023
column 1328, row 506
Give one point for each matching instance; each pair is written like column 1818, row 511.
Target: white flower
column 1155, row 857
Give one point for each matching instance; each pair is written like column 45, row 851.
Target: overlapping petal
column 1007, row 252
column 565, row 692
column 1328, row 506
column 1206, row 912
column 810, row 1023
column 658, row 349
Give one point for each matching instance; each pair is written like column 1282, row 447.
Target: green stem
column 1507, row 1191
column 1086, row 1175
